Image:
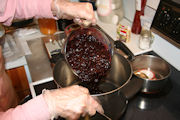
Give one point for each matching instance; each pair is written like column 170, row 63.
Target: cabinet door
column 19, row 81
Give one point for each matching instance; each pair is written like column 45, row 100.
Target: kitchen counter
column 134, row 39
column 16, row 63
column 38, row 62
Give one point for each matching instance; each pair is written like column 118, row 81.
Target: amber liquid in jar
column 47, row 26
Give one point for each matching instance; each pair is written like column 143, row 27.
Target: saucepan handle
column 132, row 88
column 120, row 45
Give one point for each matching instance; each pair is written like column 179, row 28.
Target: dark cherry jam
column 88, row 56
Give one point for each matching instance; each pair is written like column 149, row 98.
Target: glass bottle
column 136, row 26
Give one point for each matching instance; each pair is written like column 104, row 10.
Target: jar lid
column 146, row 33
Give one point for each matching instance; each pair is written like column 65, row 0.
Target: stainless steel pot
column 114, row 92
column 158, row 66
column 113, row 101
column 117, row 87
column 118, row 76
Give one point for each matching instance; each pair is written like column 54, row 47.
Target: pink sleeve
column 35, row 109
column 24, row 9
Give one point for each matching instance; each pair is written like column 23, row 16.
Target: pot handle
column 131, row 89
column 119, row 45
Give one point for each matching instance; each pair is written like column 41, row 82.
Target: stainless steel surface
column 38, row 61
column 155, row 64
column 118, row 76
column 114, row 106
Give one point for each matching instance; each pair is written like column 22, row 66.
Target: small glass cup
column 145, row 39
column 47, row 26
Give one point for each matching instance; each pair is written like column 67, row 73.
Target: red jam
column 88, row 57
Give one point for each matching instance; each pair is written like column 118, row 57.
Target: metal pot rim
column 112, row 91
column 152, row 56
column 113, row 52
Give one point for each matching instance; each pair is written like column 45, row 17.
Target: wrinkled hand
column 71, row 102
column 64, row 9
column 2, row 69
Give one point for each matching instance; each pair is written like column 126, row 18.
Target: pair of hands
column 71, row 102
column 74, row 101
column 81, row 12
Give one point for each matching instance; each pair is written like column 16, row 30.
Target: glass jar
column 145, row 39
column 47, row 26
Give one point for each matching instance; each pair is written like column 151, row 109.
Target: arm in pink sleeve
column 35, row 109
column 24, row 9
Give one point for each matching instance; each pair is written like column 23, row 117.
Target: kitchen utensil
column 158, row 74
column 118, row 76
column 114, row 106
column 156, row 68
column 120, row 72
column 89, row 34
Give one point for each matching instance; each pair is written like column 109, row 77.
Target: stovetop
column 161, row 106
